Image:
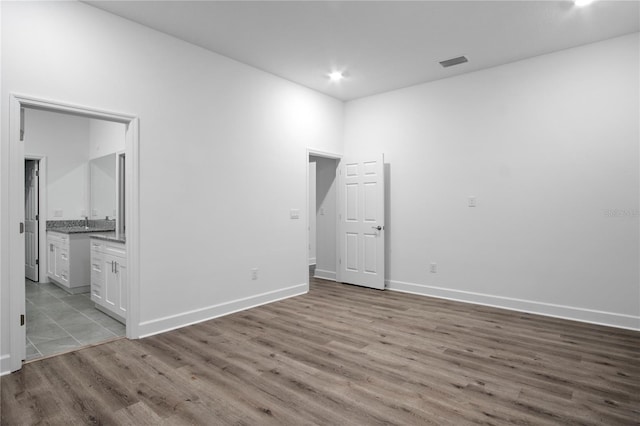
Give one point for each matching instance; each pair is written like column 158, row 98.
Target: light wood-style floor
column 343, row 355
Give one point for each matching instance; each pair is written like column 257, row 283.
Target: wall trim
column 591, row 316
column 161, row 325
column 325, row 275
column 5, row 364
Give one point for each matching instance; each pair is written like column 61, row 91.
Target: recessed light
column 336, row 76
column 581, row 3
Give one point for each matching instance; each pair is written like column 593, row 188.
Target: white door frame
column 338, row 159
column 16, row 250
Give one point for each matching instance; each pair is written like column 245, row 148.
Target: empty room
column 320, row 212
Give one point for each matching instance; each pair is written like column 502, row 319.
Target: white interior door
column 312, row 213
column 361, row 231
column 31, row 185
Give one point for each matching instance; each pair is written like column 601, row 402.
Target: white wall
column 106, row 137
column 64, row 140
column 549, row 146
column 219, row 141
column 325, row 218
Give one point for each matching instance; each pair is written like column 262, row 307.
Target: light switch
column 472, row 202
column 294, row 214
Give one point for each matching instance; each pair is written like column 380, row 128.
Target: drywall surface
column 106, row 137
column 64, row 140
column 549, row 149
column 325, row 217
column 223, row 155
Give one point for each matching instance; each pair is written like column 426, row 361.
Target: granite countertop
column 78, row 229
column 109, row 236
column 80, row 226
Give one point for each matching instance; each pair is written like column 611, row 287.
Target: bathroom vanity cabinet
column 68, row 261
column 109, row 283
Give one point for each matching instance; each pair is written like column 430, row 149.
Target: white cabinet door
column 122, row 280
column 111, row 284
column 116, row 292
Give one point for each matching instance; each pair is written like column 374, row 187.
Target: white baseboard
column 558, row 311
column 325, row 275
column 161, row 325
column 5, row 364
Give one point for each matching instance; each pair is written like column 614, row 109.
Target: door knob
column 379, row 228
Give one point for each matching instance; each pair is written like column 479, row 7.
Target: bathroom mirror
column 102, row 191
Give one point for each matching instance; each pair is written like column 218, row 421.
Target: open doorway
column 323, row 218
column 82, row 203
column 349, row 219
column 57, row 260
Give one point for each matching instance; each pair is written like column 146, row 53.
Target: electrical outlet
column 254, row 274
column 472, row 201
column 57, row 213
column 433, row 268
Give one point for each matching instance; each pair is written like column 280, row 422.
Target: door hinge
column 37, row 217
column 340, row 261
column 37, row 261
column 21, row 319
column 21, row 228
column 37, row 173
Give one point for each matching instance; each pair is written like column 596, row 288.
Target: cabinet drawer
column 115, row 249
column 96, row 294
column 96, row 290
column 97, row 245
column 64, row 259
column 96, row 274
column 97, row 260
column 63, row 242
column 54, row 236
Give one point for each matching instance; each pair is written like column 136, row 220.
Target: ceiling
column 379, row 45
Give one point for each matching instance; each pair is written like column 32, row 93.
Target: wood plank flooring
column 343, row 355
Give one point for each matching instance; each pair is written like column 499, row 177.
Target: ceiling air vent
column 454, row 61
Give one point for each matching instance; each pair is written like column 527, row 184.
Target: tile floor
column 58, row 321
